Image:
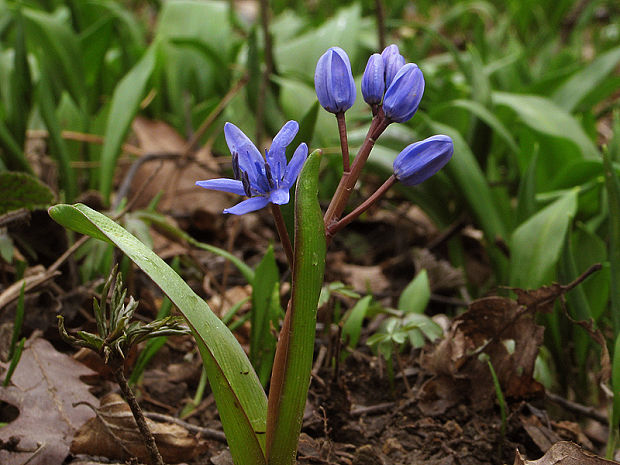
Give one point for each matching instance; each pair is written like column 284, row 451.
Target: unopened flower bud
column 404, row 94
column 333, row 81
column 420, row 160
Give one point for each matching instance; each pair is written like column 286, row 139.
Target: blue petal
column 224, row 185
column 295, row 165
column 403, row 97
column 279, row 196
column 333, row 81
column 373, row 81
column 249, row 155
column 322, row 81
column 276, row 155
column 247, row 206
column 393, row 61
column 421, row 160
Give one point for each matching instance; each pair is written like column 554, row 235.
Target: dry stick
column 344, row 144
column 380, row 12
column 574, row 407
column 208, row 433
column 147, row 436
column 262, row 94
column 283, row 233
column 81, row 137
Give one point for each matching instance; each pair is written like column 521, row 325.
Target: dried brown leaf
column 44, row 388
column 114, row 434
column 564, row 453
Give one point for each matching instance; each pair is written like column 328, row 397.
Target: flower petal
column 295, row 165
column 276, row 155
column 240, row 144
column 404, row 94
column 224, row 185
column 279, row 196
column 247, row 206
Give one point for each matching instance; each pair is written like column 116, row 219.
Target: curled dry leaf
column 44, row 388
column 498, row 327
column 113, row 433
column 565, row 453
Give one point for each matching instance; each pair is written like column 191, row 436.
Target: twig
column 208, row 433
column 147, row 436
column 574, row 407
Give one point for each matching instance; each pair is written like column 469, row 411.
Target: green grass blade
column 288, row 394
column 416, row 295
column 240, row 399
column 125, row 103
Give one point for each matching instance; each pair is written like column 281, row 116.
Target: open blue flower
column 263, row 180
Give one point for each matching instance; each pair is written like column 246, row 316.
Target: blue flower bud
column 419, row 161
column 392, row 62
column 404, row 94
column 333, row 81
column 373, row 80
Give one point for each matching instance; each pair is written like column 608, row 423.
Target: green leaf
column 58, row 50
column 469, row 179
column 293, row 364
column 352, row 327
column 262, row 342
column 59, row 150
column 489, row 118
column 299, row 56
column 536, row 244
column 416, row 295
column 586, row 80
column 124, row 106
column 21, row 190
column 543, row 115
column 239, row 396
column 612, row 184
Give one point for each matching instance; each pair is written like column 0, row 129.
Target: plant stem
column 369, row 202
column 147, row 436
column 380, row 13
column 348, row 180
column 283, row 233
column 344, row 144
column 262, row 95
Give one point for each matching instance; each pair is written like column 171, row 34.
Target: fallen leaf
column 113, row 433
column 500, row 328
column 44, row 388
column 175, row 178
column 366, row 278
column 565, row 453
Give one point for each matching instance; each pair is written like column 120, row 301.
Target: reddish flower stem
column 348, row 180
column 344, row 143
column 283, row 233
column 369, row 202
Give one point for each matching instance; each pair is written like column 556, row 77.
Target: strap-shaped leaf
column 293, row 363
column 240, row 399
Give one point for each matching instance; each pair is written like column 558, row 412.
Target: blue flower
column 419, row 161
column 263, row 180
column 392, row 62
column 404, row 93
column 373, row 80
column 333, row 81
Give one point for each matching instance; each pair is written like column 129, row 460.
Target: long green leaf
column 287, row 397
column 536, row 244
column 543, row 115
column 612, row 183
column 575, row 89
column 240, row 398
column 125, row 103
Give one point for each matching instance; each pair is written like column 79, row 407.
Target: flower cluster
column 263, row 180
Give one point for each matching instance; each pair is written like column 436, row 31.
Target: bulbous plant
column 261, row 430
